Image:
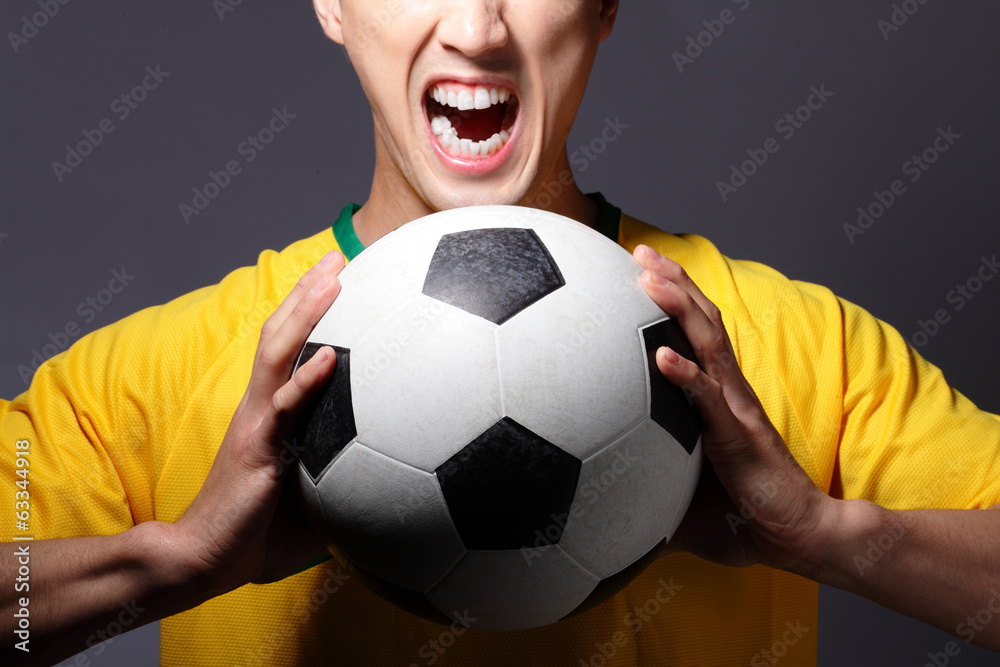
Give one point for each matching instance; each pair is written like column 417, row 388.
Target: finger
column 726, row 439
column 720, row 425
column 312, row 375
column 331, row 264
column 675, row 273
column 710, row 344
column 286, row 405
column 277, row 353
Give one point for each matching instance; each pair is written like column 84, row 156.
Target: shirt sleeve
column 909, row 440
column 70, row 420
column 864, row 413
column 99, row 419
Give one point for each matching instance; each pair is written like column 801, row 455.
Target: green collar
column 343, row 231
column 343, row 228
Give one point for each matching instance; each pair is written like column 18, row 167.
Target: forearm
column 940, row 566
column 77, row 588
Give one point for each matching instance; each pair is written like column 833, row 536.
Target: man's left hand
column 754, row 503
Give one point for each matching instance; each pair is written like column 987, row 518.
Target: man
column 139, row 424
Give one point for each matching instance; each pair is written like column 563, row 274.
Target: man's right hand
column 235, row 531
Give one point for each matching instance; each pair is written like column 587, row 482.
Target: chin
column 478, row 196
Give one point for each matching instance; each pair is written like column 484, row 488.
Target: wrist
column 838, row 557
column 170, row 571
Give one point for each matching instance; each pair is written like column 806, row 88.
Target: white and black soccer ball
column 496, row 439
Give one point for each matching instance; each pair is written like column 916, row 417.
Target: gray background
column 59, row 241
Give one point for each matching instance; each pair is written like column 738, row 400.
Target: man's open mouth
column 471, row 121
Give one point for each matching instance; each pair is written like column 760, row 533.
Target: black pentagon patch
column 492, row 273
column 670, row 407
column 327, row 423
column 509, row 488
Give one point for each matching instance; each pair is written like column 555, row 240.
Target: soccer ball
column 496, row 440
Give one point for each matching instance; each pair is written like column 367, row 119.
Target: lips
column 471, row 122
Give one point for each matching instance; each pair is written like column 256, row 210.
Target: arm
column 943, row 568
column 78, row 586
column 226, row 538
column 939, row 566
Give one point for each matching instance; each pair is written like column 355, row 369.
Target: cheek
column 578, row 19
column 563, row 67
column 371, row 23
column 378, row 36
column 563, row 35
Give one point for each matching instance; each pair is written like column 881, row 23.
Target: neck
column 392, row 201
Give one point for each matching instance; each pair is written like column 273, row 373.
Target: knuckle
column 302, row 378
column 268, row 329
column 303, row 309
column 714, row 313
column 704, row 354
column 689, row 301
column 716, row 355
column 698, row 385
column 674, row 270
column 279, row 404
column 303, row 283
column 269, row 356
column 720, row 347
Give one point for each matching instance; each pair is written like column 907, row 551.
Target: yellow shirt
column 124, row 425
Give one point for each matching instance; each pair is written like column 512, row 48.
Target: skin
column 544, row 48
column 228, row 536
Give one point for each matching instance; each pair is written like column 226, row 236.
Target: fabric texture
column 125, row 424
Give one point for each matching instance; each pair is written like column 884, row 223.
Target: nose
column 473, row 27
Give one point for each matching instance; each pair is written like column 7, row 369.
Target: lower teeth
column 450, row 141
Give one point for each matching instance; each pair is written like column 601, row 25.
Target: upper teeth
column 464, row 100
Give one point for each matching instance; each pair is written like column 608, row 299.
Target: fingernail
column 652, row 253
column 327, row 259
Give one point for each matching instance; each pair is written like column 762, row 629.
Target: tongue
column 477, row 124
